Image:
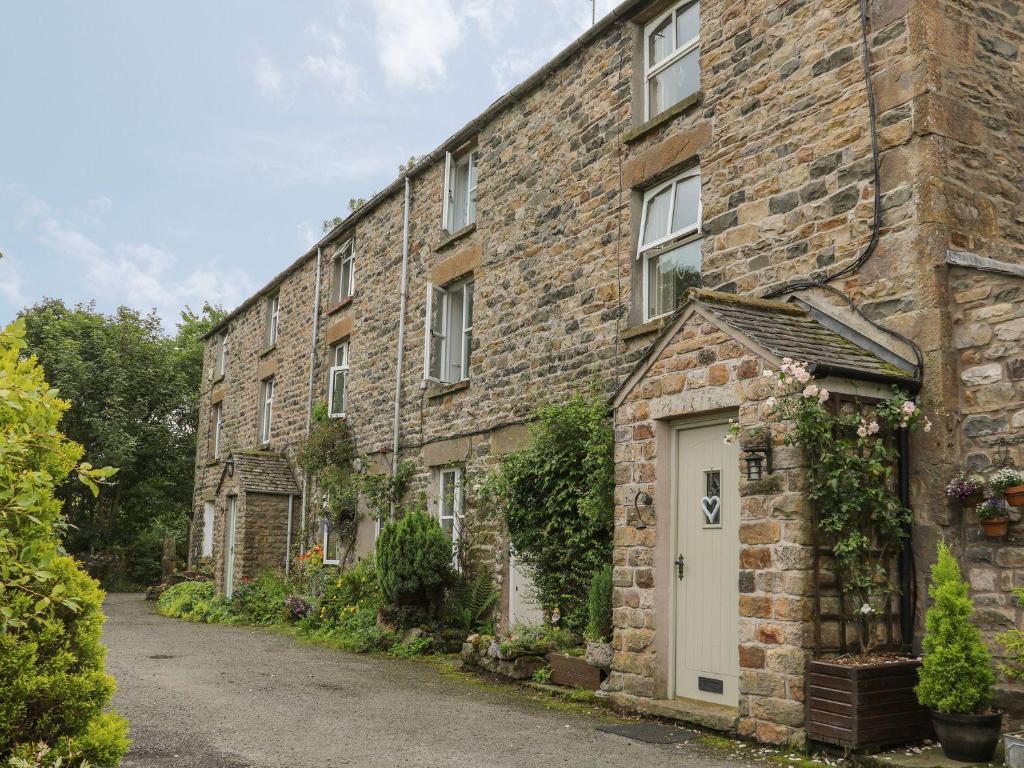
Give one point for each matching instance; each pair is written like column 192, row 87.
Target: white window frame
column 326, row 531
column 273, row 318
column 451, row 166
column 451, row 477
column 209, row 513
column 434, row 294
column 339, row 363
column 678, row 52
column 688, row 234
column 218, row 417
column 266, row 409
column 346, row 254
column 220, row 359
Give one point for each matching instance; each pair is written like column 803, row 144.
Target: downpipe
column 304, row 505
column 402, row 299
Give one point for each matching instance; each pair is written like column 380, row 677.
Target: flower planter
column 1015, row 496
column 866, row 706
column 973, row 500
column 1014, row 743
column 968, row 738
column 996, row 527
column 573, row 671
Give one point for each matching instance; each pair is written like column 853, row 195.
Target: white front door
column 230, row 520
column 522, row 596
column 705, row 565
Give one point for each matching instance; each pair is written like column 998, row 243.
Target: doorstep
column 920, row 757
column 714, row 716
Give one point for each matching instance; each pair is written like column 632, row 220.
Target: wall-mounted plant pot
column 996, row 527
column 972, row 501
column 864, row 706
column 968, row 738
column 1015, row 495
column 573, row 671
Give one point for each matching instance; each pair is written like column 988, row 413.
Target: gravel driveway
column 228, row 697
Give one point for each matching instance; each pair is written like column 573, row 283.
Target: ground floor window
column 208, row 510
column 449, row 505
column 331, row 544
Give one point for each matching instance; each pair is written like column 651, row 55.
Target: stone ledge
column 691, row 101
column 267, row 350
column 455, row 236
column 435, row 391
column 340, row 305
column 651, row 326
column 714, row 716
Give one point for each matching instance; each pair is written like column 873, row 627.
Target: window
column 671, row 57
column 331, row 544
column 449, row 506
column 343, row 272
column 208, row 510
column 266, row 409
column 273, row 314
column 459, row 191
column 220, row 356
column 337, row 388
column 670, row 242
column 449, row 332
column 218, row 412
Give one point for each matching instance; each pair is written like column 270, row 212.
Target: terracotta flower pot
column 996, row 527
column 1015, row 495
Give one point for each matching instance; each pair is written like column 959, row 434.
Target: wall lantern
column 759, row 459
column 641, row 501
column 230, row 466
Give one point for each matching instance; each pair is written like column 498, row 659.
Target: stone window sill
column 267, row 350
column 651, row 326
column 212, row 462
column 455, row 236
column 436, row 389
column 339, row 305
column 684, row 106
column 216, row 381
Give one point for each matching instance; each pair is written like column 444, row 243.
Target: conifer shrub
column 414, row 566
column 599, row 605
column 956, row 675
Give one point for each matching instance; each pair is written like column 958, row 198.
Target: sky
column 161, row 155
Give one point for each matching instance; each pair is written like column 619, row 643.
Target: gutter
column 823, row 370
column 309, row 406
column 403, row 297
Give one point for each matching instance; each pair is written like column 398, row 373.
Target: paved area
column 236, row 697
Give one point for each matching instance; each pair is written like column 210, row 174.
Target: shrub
column 194, row 601
column 956, row 675
column 599, row 605
column 1013, row 641
column 536, row 640
column 414, row 565
column 469, row 604
column 296, row 608
column 260, row 601
column 555, row 496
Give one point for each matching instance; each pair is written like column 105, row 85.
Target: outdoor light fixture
column 230, row 466
column 759, row 459
column 641, row 501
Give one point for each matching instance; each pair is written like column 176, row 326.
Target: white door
column 522, row 596
column 230, row 520
column 705, row 565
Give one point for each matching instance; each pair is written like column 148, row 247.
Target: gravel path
column 235, row 697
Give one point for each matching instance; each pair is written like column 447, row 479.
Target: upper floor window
column 671, row 57
column 449, row 506
column 218, row 415
column 670, row 242
column 337, row 394
column 449, row 332
column 266, row 409
column 459, row 191
column 343, row 272
column 220, row 356
column 273, row 315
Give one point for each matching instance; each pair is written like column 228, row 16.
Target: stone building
column 548, row 243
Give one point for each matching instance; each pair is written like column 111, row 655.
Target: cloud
column 12, row 282
column 307, row 234
column 414, row 39
column 267, row 75
column 333, row 66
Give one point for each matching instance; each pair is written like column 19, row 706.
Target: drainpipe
column 309, row 397
column 403, row 294
column 907, row 585
column 288, row 536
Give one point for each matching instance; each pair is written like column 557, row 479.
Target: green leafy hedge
column 414, row 566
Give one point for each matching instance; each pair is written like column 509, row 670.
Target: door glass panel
column 711, row 504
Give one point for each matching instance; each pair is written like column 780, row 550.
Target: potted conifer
column 956, row 675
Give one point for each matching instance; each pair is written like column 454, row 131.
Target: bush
column 1013, row 641
column 556, row 499
column 469, row 604
column 536, row 640
column 599, row 605
column 296, row 608
column 357, row 587
column 194, row 601
column 260, row 601
column 956, row 675
column 414, row 565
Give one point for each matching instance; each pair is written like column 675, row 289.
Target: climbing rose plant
column 852, row 457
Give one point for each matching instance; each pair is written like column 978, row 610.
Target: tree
column 54, row 688
column 134, row 394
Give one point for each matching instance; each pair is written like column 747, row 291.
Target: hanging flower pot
column 969, row 490
column 1010, row 483
column 996, row 527
column 1015, row 495
column 992, row 515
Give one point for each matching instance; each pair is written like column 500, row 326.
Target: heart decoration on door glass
column 711, row 506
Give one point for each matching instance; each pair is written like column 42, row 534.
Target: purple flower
column 963, row 487
column 297, row 607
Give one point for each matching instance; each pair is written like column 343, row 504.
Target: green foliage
column 1013, row 642
column 599, row 605
column 556, row 499
column 386, row 492
column 542, row 675
column 327, row 456
column 469, row 604
column 536, row 640
column 194, row 601
column 134, row 394
column 956, row 675
column 852, row 458
column 418, row 646
column 356, row 588
column 261, row 600
column 414, row 559
column 51, row 661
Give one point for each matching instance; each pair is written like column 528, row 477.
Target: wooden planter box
column 573, row 671
column 864, row 707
